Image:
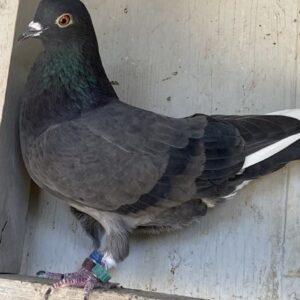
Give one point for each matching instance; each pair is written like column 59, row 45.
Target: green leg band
column 101, row 273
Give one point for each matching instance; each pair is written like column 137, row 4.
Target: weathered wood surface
column 179, row 57
column 14, row 182
column 8, row 16
column 28, row 288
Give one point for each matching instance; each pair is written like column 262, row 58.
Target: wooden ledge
column 13, row 287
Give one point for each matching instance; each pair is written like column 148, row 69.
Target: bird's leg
column 88, row 277
column 94, row 270
column 81, row 279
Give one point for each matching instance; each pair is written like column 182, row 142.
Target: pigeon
column 123, row 169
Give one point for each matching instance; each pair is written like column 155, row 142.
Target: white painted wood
column 290, row 255
column 14, row 182
column 179, row 57
column 27, row 288
column 293, row 113
column 8, row 17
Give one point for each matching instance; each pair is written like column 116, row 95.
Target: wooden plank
column 14, row 185
column 291, row 249
column 291, row 242
column 8, row 17
column 29, row 288
column 178, row 57
column 14, row 181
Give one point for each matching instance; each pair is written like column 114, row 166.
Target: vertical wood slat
column 291, row 246
column 12, row 205
column 179, row 57
column 14, row 181
column 8, row 17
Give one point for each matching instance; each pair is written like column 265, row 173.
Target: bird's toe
column 82, row 279
column 50, row 275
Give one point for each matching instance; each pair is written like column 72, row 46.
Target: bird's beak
column 34, row 29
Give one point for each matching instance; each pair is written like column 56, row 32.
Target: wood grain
column 26, row 288
column 14, row 184
column 178, row 57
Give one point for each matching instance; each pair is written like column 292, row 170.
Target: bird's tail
column 276, row 155
column 269, row 142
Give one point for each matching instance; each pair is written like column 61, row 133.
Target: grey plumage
column 126, row 168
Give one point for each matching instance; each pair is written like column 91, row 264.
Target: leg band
column 100, row 273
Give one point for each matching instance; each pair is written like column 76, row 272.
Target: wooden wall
column 178, row 57
column 14, row 182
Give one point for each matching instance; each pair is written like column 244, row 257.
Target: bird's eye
column 64, row 20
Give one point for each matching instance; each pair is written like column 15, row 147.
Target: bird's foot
column 83, row 279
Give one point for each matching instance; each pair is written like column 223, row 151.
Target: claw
column 41, row 274
column 89, row 286
column 82, row 279
column 48, row 293
column 49, row 275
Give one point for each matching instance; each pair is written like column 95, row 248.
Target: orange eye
column 64, row 20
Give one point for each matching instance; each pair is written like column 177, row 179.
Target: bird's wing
column 233, row 148
column 267, row 143
column 113, row 156
column 128, row 160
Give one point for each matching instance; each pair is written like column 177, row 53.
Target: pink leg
column 81, row 279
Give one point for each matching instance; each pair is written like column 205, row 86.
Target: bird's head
column 59, row 22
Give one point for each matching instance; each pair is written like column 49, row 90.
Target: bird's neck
column 64, row 83
column 73, row 69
